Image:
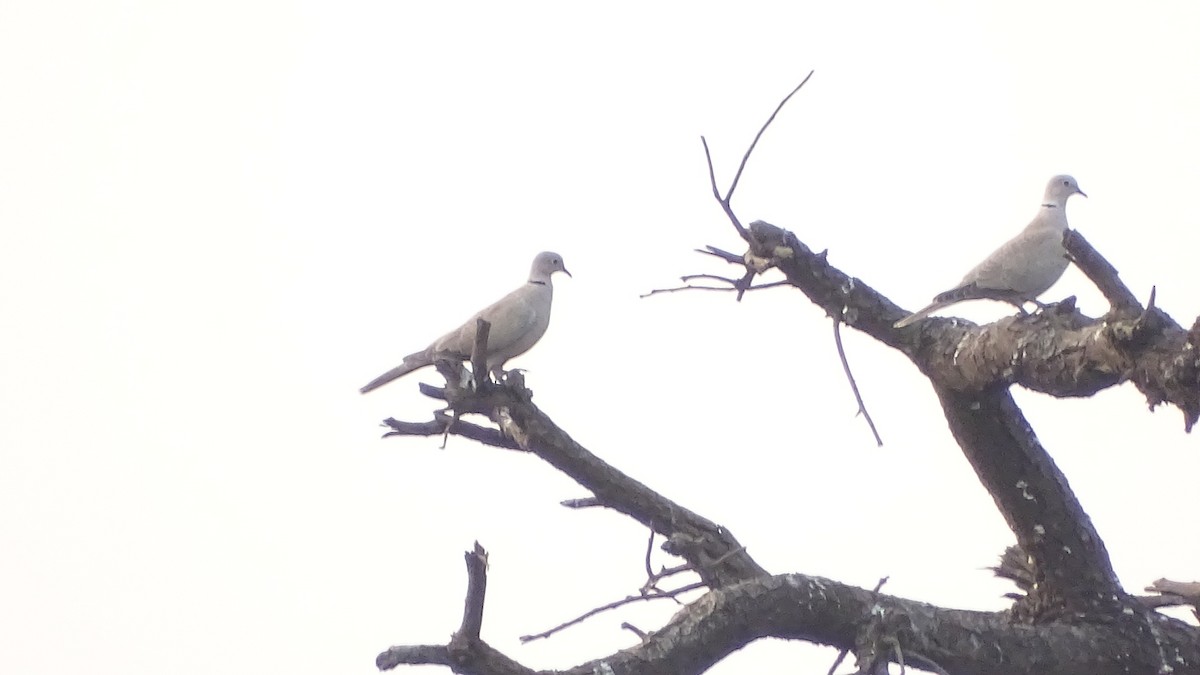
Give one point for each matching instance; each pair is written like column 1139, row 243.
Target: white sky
column 219, row 219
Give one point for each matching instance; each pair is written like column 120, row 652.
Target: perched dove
column 1025, row 266
column 518, row 321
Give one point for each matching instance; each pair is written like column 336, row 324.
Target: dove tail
column 922, row 313
column 411, row 362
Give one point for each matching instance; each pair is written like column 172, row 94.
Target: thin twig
column 737, row 177
column 676, row 289
column 772, row 284
column 649, row 550
column 862, row 407
column 745, row 158
column 581, row 503
column 436, row 427
column 689, row 277
column 731, row 258
column 665, row 572
column 612, row 605
column 634, row 629
column 449, row 422
column 723, row 201
column 432, row 391
column 734, row 287
column 653, row 578
column 838, row 661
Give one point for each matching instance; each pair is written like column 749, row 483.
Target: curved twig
column 746, row 157
column 737, row 177
column 862, row 407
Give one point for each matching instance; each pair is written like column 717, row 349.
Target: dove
column 518, row 321
column 1025, row 266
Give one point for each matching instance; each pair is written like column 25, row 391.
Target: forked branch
column 737, row 177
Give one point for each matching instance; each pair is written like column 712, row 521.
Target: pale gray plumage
column 518, row 321
column 1025, row 266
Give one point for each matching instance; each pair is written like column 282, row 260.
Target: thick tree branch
column 1101, row 273
column 711, row 550
column 1060, row 351
column 1072, row 572
column 823, row 611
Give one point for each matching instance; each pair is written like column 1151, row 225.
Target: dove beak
column 1081, row 192
column 567, row 272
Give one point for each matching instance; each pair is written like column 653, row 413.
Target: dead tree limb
column 823, row 611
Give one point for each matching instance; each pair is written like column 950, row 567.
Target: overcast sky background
column 220, row 219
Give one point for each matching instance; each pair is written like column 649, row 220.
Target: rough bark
column 824, row 611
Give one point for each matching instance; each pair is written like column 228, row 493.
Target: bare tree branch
column 661, row 595
column 712, row 550
column 472, row 622
column 625, row 625
column 740, row 285
column 581, row 503
column 823, row 611
column 414, row 655
column 862, row 407
column 724, row 200
column 1071, row 566
column 676, row 289
column 1058, row 351
column 485, row 435
column 1100, row 272
column 731, row 258
column 746, row 158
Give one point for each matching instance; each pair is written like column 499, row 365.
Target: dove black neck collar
column 535, row 281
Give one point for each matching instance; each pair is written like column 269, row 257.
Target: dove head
column 545, row 264
column 1060, row 188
